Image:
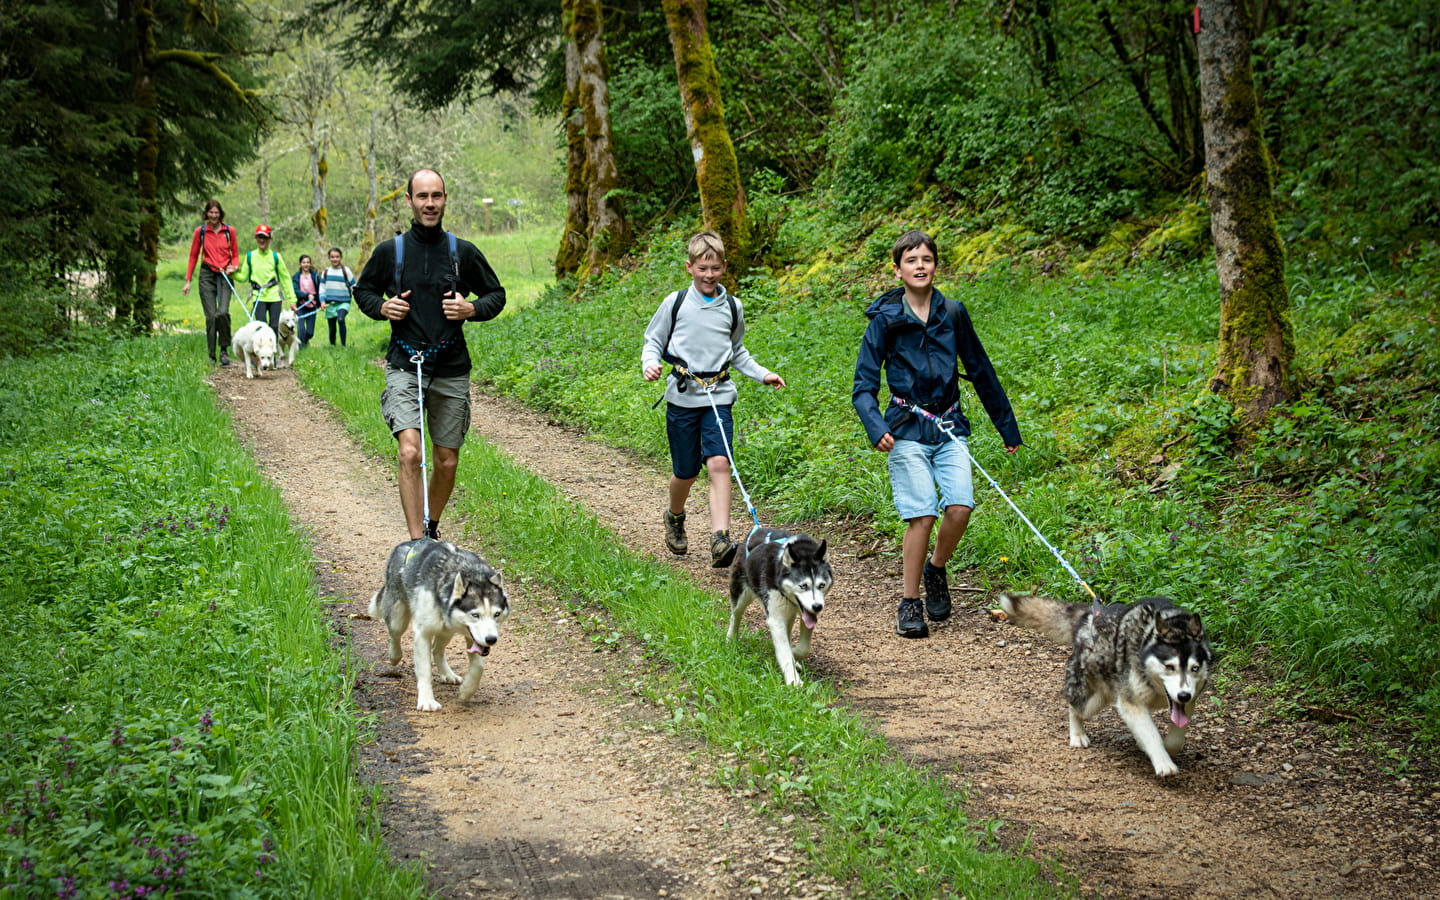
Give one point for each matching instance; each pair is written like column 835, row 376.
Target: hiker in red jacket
column 214, row 247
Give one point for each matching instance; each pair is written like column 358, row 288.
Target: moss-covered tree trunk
column 372, row 197
column 319, row 170
column 717, row 172
column 609, row 226
column 574, row 233
column 1256, row 335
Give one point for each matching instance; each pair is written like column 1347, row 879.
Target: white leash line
column 946, row 428
column 419, row 359
column 729, row 454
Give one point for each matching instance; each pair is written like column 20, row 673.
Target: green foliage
column 69, row 138
column 175, row 720
column 1348, row 94
column 967, row 117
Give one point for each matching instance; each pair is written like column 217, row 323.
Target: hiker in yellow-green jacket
column 264, row 269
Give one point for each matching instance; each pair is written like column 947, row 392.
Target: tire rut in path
column 542, row 786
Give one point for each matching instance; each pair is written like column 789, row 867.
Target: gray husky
column 789, row 575
column 444, row 591
column 1149, row 655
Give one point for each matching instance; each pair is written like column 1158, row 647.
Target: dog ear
column 459, row 590
column 820, row 554
column 786, row 559
column 1196, row 631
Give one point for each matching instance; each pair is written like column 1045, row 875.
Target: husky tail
column 1055, row 619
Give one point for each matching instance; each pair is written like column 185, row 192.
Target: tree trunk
column 717, row 172
column 372, row 199
column 609, row 225
column 319, row 168
column 1256, row 335
column 574, row 233
column 262, row 189
column 147, row 159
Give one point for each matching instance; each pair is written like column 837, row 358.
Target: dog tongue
column 1177, row 715
column 476, row 648
column 808, row 618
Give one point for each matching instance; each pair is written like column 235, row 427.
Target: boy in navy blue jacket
column 920, row 338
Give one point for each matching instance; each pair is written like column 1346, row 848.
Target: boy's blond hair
column 706, row 243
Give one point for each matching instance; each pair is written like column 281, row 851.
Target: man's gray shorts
column 447, row 406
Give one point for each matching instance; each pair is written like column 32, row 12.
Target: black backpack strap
column 454, row 263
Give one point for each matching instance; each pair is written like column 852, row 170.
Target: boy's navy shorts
column 695, row 437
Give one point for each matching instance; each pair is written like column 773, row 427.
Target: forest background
column 1055, row 148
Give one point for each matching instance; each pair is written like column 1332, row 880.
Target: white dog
column 288, row 340
column 256, row 343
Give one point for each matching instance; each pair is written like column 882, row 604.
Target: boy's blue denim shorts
column 916, row 469
column 695, row 437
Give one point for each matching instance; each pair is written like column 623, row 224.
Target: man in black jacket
column 419, row 282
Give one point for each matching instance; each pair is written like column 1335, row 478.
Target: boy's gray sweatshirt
column 703, row 338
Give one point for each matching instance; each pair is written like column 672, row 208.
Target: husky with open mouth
column 789, row 575
column 1147, row 655
column 443, row 591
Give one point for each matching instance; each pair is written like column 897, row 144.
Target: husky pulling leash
column 947, row 429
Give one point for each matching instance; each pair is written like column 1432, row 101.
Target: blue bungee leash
column 947, row 428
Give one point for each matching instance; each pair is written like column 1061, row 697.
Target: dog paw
column 1080, row 741
column 1166, row 769
column 447, row 678
column 428, row 706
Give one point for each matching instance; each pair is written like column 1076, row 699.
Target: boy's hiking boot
column 910, row 620
column 432, row 529
column 224, row 358
column 675, row 533
column 937, row 593
column 722, row 550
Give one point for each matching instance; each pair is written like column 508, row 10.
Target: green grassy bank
column 175, row 720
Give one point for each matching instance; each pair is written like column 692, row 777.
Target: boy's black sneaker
column 722, row 550
column 675, row 533
column 432, row 529
column 224, row 358
column 910, row 621
column 937, row 593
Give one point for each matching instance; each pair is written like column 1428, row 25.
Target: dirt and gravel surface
column 554, row 782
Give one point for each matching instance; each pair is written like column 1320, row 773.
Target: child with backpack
column 337, row 289
column 700, row 331
column 921, row 338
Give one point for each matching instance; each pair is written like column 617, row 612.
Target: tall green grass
column 868, row 819
column 1312, row 547
column 175, row 719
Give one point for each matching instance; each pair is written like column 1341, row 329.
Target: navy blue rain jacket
column 920, row 363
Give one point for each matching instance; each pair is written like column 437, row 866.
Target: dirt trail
column 543, row 786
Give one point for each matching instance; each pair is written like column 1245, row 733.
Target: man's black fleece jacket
column 429, row 274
